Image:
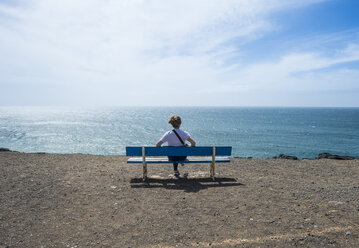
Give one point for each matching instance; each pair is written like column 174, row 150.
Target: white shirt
column 171, row 138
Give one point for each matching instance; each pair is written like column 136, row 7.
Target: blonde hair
column 175, row 121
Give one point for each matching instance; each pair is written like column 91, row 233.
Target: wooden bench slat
column 189, row 160
column 179, row 151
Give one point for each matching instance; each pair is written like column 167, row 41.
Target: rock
column 348, row 233
column 333, row 156
column 4, row 149
column 283, row 156
column 335, row 203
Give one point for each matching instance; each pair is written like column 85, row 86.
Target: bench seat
column 158, row 155
column 191, row 160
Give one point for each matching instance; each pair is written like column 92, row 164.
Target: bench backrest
column 179, row 151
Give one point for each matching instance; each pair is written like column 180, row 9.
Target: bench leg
column 212, row 170
column 144, row 164
column 213, row 162
column 144, row 171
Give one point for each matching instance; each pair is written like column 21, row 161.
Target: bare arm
column 159, row 143
column 193, row 143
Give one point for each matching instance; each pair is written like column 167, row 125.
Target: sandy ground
column 53, row 200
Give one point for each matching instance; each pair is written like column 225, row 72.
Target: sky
column 179, row 53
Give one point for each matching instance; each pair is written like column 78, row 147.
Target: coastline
column 81, row 200
column 280, row 156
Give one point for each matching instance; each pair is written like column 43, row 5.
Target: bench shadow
column 189, row 185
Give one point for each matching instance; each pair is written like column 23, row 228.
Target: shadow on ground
column 189, row 185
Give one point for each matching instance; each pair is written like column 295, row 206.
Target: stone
column 333, row 156
column 283, row 156
column 335, row 203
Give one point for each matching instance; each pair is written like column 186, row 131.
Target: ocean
column 258, row 132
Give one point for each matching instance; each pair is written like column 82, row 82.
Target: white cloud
column 302, row 71
column 151, row 48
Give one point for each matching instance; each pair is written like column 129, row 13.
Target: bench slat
column 190, row 160
column 179, row 151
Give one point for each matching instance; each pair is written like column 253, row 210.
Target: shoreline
column 280, row 156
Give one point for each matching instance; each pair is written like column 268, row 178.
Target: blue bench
column 158, row 155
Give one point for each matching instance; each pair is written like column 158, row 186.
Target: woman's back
column 171, row 138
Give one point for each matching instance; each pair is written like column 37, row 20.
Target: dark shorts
column 176, row 158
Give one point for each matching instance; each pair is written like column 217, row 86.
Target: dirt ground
column 54, row 200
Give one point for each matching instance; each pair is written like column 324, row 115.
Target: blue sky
column 179, row 53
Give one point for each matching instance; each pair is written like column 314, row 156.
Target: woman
column 176, row 137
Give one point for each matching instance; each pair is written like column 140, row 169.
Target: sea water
column 252, row 132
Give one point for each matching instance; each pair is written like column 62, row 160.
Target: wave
column 13, row 135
